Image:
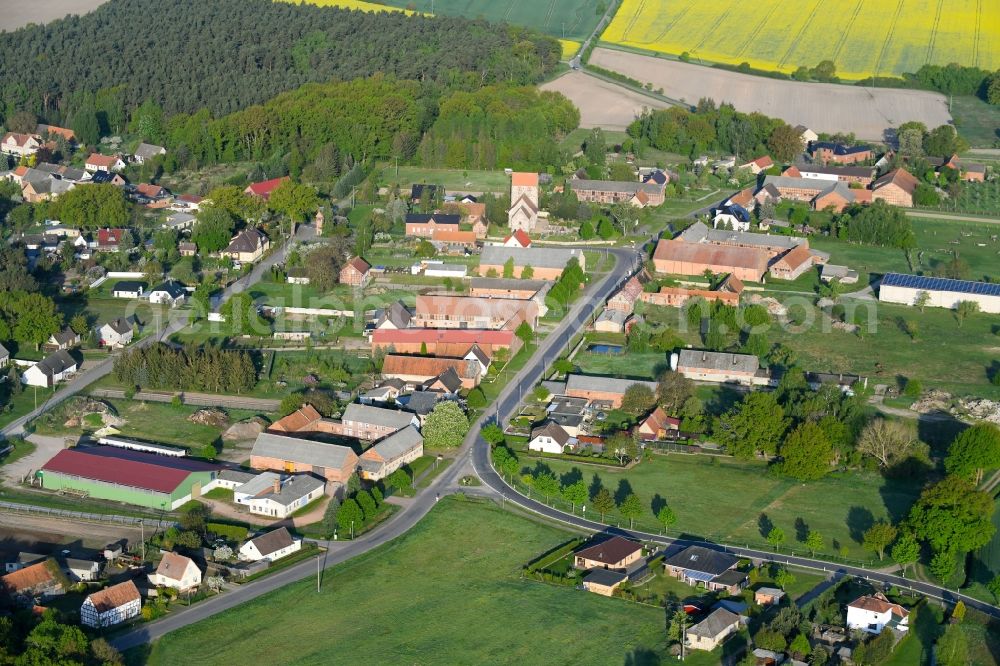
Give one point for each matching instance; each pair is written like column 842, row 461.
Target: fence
column 106, row 518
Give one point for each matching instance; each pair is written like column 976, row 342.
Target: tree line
column 210, row 369
column 210, row 55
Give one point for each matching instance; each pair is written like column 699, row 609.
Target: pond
column 605, row 349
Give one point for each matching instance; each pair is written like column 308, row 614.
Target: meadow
column 861, row 37
column 458, row 572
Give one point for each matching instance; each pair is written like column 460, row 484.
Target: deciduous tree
column 878, row 537
column 446, row 426
column 889, row 442
column 755, row 425
column 631, row 508
column 806, row 453
column 603, row 502
column 952, row 515
column 973, row 451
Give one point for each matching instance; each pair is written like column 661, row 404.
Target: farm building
column 113, row 605
column 444, row 342
column 722, row 367
column 132, row 477
column 895, row 188
column 417, row 370
column 681, row 258
column 626, row 191
column 292, row 454
column 438, row 311
column 609, row 389
column 391, row 453
column 941, row 292
column 547, row 263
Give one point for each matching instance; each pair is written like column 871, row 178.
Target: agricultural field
column 568, row 19
column 824, row 107
column 862, row 37
column 569, row 48
column 362, row 602
column 602, row 103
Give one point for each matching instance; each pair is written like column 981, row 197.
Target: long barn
column 940, row 292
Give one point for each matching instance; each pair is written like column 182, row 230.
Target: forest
column 227, row 55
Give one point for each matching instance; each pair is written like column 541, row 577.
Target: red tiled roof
column 149, row 190
column 109, row 236
column 711, row 255
column 106, row 161
column 29, row 577
column 265, row 188
column 114, row 596
column 659, row 420
column 20, row 139
column 449, row 236
column 426, row 366
column 797, row 256
column 878, row 604
column 524, row 179
column 360, row 265
column 386, row 336
column 297, row 420
column 901, row 178
column 610, row 551
column 742, row 198
column 522, row 238
column 764, row 162
column 792, row 172
column 127, row 468
column 190, row 198
column 64, row 132
column 20, row 171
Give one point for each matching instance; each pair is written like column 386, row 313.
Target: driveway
column 46, row 447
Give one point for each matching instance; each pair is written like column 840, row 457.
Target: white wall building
column 940, row 292
column 113, row 605
column 873, row 613
column 270, row 546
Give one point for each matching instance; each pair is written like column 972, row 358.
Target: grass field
column 977, row 122
column 457, row 571
column 737, row 501
column 861, row 36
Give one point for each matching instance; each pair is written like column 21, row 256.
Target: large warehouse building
column 133, row 477
column 941, row 292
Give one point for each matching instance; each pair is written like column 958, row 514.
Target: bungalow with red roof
column 616, row 553
column 107, row 163
column 263, row 189
column 356, row 272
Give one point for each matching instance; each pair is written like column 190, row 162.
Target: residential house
column 187, row 249
column 419, row 225
column 603, row 581
column 839, row 196
column 421, row 403
column 831, row 272
column 270, row 546
column 475, row 215
column 677, row 257
column 4, row 356
column 384, row 394
column 454, row 242
column 517, row 239
column 550, row 438
column 825, row 152
column 111, row 606
column 389, row 454
column 422, row 191
column 64, row 339
column 611, row 192
column 45, row 190
column 170, row 293
column 108, row 163
column 732, row 217
column 624, row 299
column 356, row 272
column 938, row 292
column 108, row 177
column 479, row 355
column 713, row 569
column 51, row 370
column 873, row 613
column 276, row 495
column 792, row 264
column 20, row 145
column 109, row 240
column 524, row 202
column 297, row 275
column 721, row 367
column 374, row 423
column 293, row 455
column 657, row 425
column 768, row 596
column 418, row 370
column 176, row 571
column 81, row 570
column 615, row 553
column 147, row 151
column 263, row 189
column 755, row 166
column 895, row 188
column 395, row 317
column 602, row 389
column 180, row 221
column 448, row 382
column 151, row 192
column 128, row 289
column 187, row 202
column 446, row 311
column 547, row 263
column 38, row 581
column 807, row 135
column 247, row 246
column 713, row 630
column 117, row 332
column 611, row 321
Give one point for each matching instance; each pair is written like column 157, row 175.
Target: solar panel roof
column 940, row 284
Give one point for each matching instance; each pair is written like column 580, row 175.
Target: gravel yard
column 823, row 107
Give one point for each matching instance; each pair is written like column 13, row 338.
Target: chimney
column 277, row 485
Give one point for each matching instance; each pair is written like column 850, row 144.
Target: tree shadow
column 657, row 504
column 859, row 520
column 764, row 525
column 541, row 468
column 571, row 477
column 595, row 486
column 722, row 401
column 938, row 429
column 641, row 656
column 623, row 491
column 801, row 530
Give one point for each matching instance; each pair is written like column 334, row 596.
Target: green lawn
column 738, row 502
column 977, row 121
column 152, row 421
column 454, row 180
column 456, row 577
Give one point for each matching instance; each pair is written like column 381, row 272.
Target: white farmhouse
column 50, row 370
column 873, row 613
column 176, row 571
column 277, row 496
column 270, row 546
column 550, row 438
column 113, row 605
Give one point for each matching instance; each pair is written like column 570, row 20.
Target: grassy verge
column 308, row 551
column 434, row 472
column 22, row 447
column 461, row 562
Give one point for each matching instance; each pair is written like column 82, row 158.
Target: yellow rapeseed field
column 569, row 48
column 350, row 4
column 862, row 37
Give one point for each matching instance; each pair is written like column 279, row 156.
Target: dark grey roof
column 730, row 577
column 399, row 443
column 148, row 150
column 273, row 541
column 452, row 382
column 716, row 623
column 248, row 240
column 56, row 363
column 506, row 284
column 705, row 560
column 480, row 355
column 802, row 183
column 605, row 577
column 422, row 402
column 838, row 148
column 537, row 257
column 439, row 218
column 940, row 284
column 417, row 190
column 553, row 430
column 4, row 353
column 604, row 384
column 121, row 325
column 299, row 450
column 172, row 288
column 377, row 416
column 66, row 336
column 236, row 475
column 398, row 314
column 128, row 285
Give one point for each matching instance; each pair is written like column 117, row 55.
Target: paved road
column 419, row 506
column 178, row 320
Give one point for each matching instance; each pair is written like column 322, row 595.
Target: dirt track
column 823, row 107
column 19, row 13
column 602, row 104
